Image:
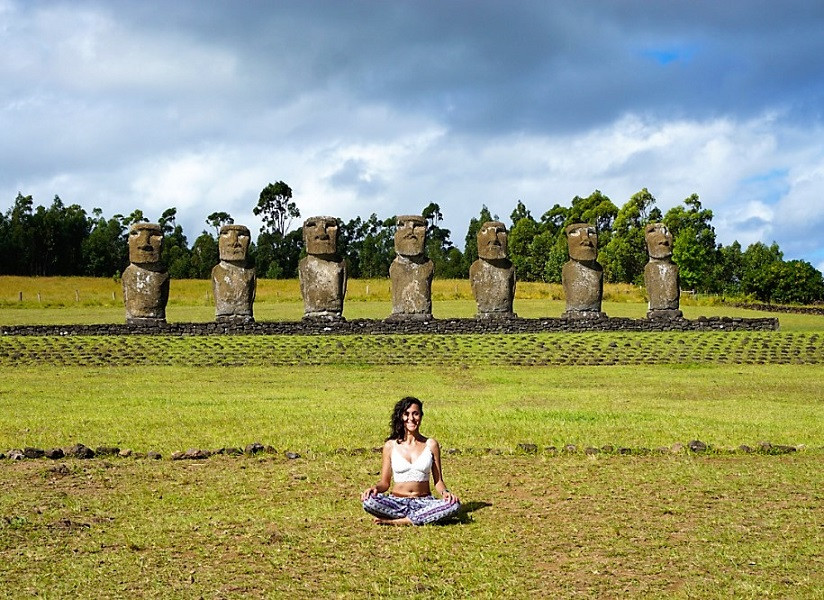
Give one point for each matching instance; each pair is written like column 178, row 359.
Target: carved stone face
column 233, row 242
column 659, row 240
column 410, row 236
column 582, row 240
column 145, row 243
column 492, row 240
column 320, row 234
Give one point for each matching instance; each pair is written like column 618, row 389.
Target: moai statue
column 145, row 280
column 661, row 274
column 582, row 276
column 322, row 273
column 493, row 276
column 410, row 274
column 233, row 283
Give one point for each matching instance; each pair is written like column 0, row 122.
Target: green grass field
column 656, row 521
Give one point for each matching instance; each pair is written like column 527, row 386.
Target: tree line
column 66, row 240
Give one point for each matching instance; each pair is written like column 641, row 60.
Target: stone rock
column 234, row 284
column 55, row 453
column 145, row 280
column 29, row 452
column 590, row 450
column 292, row 455
column 411, row 273
column 254, row 448
column 79, row 451
column 697, row 446
column 16, row 454
column 125, row 453
column 492, row 276
column 661, row 274
column 582, row 277
column 677, row 447
column 152, row 455
column 528, row 448
column 624, row 450
column 570, row 448
column 191, row 454
column 744, row 448
column 322, row 273
column 609, row 449
column 106, row 450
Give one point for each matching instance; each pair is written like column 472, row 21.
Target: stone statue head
column 320, row 234
column 659, row 240
column 145, row 243
column 410, row 236
column 492, row 240
column 582, row 240
column 233, row 242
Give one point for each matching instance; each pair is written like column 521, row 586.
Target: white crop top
column 417, row 470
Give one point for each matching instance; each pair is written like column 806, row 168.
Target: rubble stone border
column 79, row 451
column 374, row 326
column 781, row 308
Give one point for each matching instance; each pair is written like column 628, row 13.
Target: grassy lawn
column 663, row 522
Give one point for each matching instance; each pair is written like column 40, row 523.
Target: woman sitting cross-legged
column 409, row 458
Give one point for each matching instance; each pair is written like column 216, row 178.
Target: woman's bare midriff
column 412, row 489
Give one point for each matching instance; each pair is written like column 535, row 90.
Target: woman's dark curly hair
column 396, row 424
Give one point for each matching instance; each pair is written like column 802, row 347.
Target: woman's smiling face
column 412, row 417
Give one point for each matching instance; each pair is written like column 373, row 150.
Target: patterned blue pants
column 420, row 511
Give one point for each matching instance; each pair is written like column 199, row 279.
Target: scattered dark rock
column 292, row 455
column 570, row 448
column 29, row 452
column 106, row 450
column 357, row 451
column 79, row 451
column 60, row 469
column 551, row 449
column 341, row 451
column 254, row 448
column 744, row 448
column 528, row 448
column 152, row 455
column 590, row 450
column 677, row 447
column 377, row 449
column 125, row 453
column 453, row 451
column 697, row 446
column 16, row 454
column 270, row 450
column 55, row 453
column 624, row 450
column 764, row 446
column 782, row 449
column 608, row 448
column 2, row 455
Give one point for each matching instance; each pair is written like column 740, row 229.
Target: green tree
column 797, row 281
column 218, row 220
column 470, row 253
column 521, row 235
column 625, row 254
column 276, row 208
column 759, row 277
column 105, row 250
column 693, row 248
column 204, row 256
column 447, row 260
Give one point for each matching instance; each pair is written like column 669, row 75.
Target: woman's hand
column 373, row 491
column 449, row 497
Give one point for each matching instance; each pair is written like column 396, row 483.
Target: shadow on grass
column 464, row 516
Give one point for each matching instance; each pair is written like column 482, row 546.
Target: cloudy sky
column 386, row 106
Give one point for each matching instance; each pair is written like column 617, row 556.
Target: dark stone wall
column 801, row 310
column 437, row 326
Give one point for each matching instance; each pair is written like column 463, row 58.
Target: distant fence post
column 21, row 296
column 76, row 296
column 38, row 298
